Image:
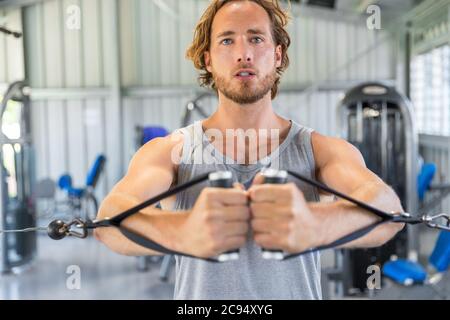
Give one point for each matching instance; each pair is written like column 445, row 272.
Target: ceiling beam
column 18, row 3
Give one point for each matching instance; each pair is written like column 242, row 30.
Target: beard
column 243, row 93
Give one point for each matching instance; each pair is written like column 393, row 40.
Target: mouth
column 245, row 74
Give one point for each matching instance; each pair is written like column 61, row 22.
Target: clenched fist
column 281, row 218
column 218, row 222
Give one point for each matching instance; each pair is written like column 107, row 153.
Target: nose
column 243, row 52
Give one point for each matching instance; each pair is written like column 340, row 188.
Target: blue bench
column 409, row 272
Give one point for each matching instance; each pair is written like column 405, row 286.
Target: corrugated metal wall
column 70, row 132
column 11, row 49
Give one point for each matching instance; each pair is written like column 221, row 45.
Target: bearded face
column 245, row 89
column 243, row 57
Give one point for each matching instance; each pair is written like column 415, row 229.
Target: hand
column 282, row 219
column 218, row 222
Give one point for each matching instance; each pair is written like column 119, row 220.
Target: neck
column 258, row 115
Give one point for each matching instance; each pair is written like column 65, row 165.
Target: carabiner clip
column 58, row 229
column 78, row 223
column 430, row 221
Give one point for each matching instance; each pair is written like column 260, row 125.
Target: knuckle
column 208, row 215
column 208, row 193
column 289, row 212
column 242, row 196
column 255, row 191
column 205, row 192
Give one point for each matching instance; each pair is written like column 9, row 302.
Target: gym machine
column 17, row 178
column 378, row 121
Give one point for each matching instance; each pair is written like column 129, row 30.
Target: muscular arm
column 341, row 166
column 151, row 171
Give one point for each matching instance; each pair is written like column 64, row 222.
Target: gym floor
column 104, row 274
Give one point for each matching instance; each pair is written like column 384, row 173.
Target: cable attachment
column 58, row 229
column 440, row 221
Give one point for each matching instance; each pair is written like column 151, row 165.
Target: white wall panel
column 52, row 43
column 11, row 48
column 93, row 43
column 76, row 138
column 3, row 56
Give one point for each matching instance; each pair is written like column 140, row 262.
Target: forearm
column 156, row 224
column 341, row 217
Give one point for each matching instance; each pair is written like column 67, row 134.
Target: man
column 241, row 49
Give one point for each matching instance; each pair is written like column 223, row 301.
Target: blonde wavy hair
column 202, row 39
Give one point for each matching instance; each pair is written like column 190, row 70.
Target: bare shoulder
column 164, row 151
column 326, row 149
column 153, row 167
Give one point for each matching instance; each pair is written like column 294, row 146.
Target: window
column 430, row 91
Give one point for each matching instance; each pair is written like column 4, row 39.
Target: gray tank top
column 251, row 277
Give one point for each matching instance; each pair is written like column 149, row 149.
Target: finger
column 230, row 214
column 235, row 213
column 233, row 229
column 262, row 225
column 232, row 197
column 226, row 196
column 268, row 210
column 275, row 227
column 234, row 242
column 266, row 193
column 266, row 240
column 273, row 192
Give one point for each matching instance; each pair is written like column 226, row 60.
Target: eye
column 226, row 41
column 257, row 40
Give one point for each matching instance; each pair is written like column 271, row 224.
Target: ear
column 207, row 57
column 278, row 55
